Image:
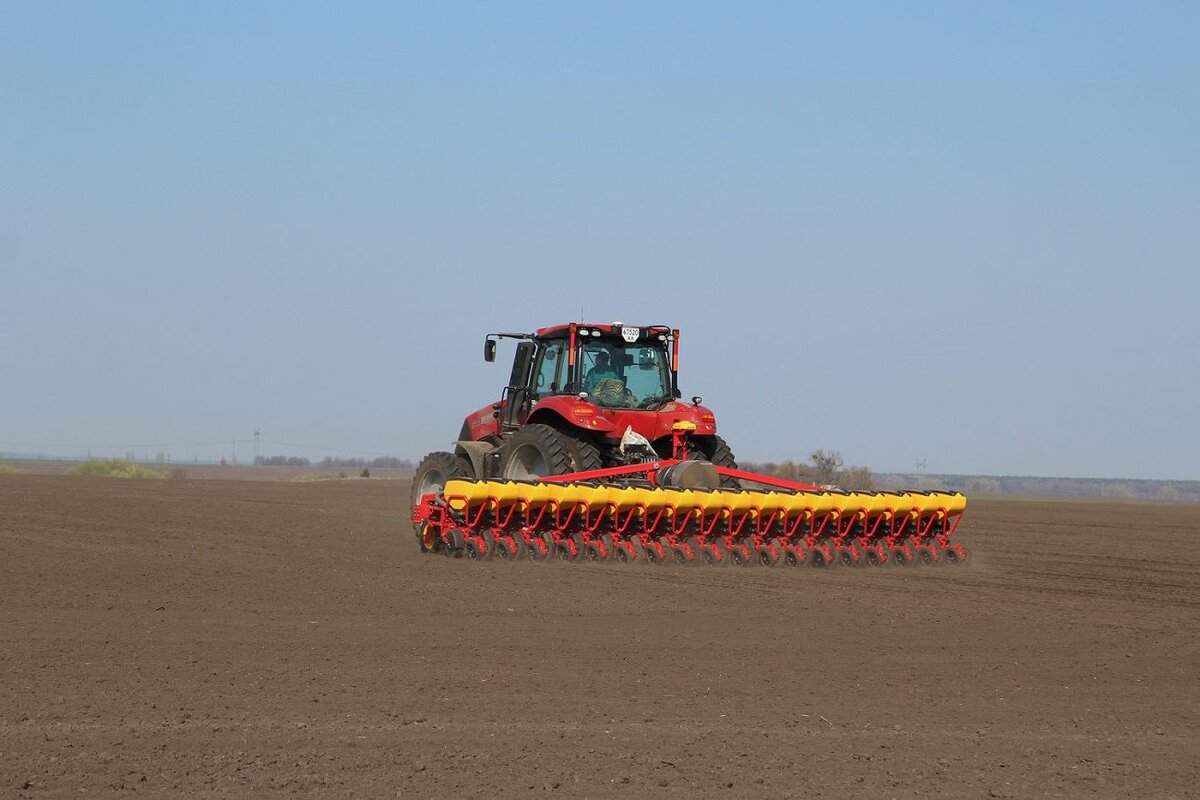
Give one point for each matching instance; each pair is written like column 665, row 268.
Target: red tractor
column 581, row 397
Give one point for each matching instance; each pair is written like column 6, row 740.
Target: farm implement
column 589, row 455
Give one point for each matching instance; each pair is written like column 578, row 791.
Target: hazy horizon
column 963, row 236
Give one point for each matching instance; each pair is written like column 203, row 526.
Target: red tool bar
column 769, row 480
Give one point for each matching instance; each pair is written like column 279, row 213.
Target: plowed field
column 253, row 639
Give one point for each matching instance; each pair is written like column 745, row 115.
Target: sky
column 962, row 234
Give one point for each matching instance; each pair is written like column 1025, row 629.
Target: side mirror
column 489, row 350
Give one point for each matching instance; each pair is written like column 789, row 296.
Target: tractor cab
column 604, row 367
column 615, row 366
column 597, row 388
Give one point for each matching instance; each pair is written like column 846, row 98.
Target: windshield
column 620, row 376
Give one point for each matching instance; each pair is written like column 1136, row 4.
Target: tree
column 827, row 463
column 857, row 479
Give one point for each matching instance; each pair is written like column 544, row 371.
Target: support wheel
column 769, row 555
column 455, row 543
column 429, row 539
column 656, row 553
column 539, row 550
column 821, row 556
column 488, row 538
column 624, row 552
column 743, row 554
column 850, row 554
column 475, row 550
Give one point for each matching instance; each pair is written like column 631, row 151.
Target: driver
column 600, row 372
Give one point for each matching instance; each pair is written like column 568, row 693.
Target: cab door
column 549, row 370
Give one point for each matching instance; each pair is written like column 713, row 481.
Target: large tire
column 534, row 451
column 433, row 472
column 585, row 456
column 716, row 450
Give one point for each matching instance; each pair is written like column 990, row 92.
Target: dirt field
column 248, row 638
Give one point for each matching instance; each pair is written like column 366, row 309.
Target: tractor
column 580, row 397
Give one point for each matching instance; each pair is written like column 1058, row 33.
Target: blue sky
column 952, row 232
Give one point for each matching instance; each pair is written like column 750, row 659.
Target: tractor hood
column 612, row 422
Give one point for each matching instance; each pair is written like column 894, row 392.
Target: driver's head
column 601, row 360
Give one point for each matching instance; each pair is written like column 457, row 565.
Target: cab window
column 550, row 372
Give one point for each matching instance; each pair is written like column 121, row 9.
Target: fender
column 482, row 424
column 611, row 423
column 474, row 452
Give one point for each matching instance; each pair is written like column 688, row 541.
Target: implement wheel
column 714, row 553
column 769, row 555
column 624, row 552
column 454, row 543
column 637, row 550
column 539, row 549
column 743, row 554
column 572, row 549
column 822, row 556
column 610, row 544
column 511, row 547
column 850, row 555
column 902, row 556
column 429, row 539
column 489, row 543
column 655, row 553
column 596, row 551
column 955, row 554
column 475, row 550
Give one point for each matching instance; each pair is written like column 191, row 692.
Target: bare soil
column 238, row 638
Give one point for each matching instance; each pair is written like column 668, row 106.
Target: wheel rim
column 527, row 461
column 428, row 536
column 432, row 482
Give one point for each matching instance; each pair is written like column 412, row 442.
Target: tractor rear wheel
column 433, row 472
column 585, row 456
column 535, row 451
column 716, row 450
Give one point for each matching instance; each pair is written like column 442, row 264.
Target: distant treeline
column 383, row 462
column 1122, row 488
column 824, row 468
